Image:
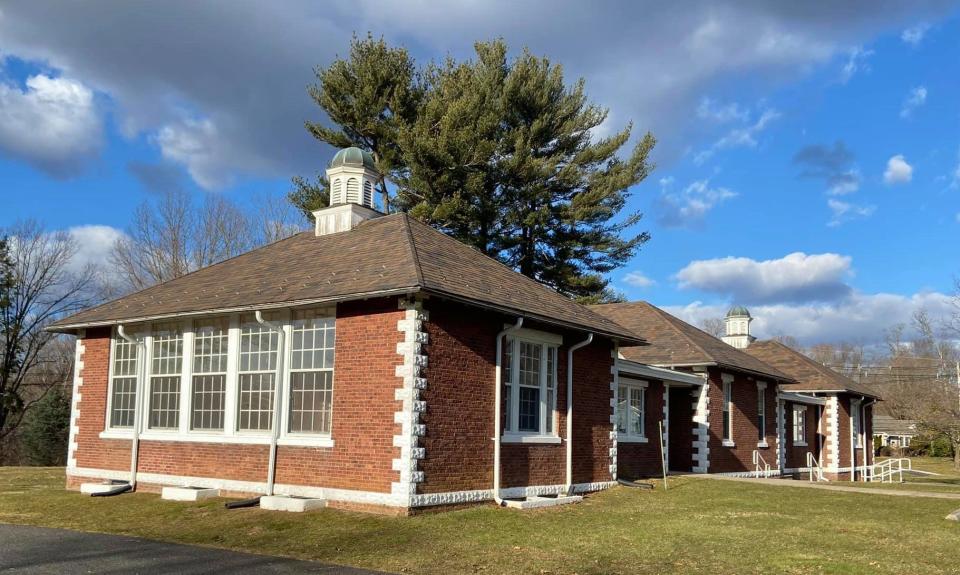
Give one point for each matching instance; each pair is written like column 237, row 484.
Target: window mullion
column 147, row 381
column 233, row 364
column 186, row 370
column 515, row 385
column 543, row 390
column 284, row 398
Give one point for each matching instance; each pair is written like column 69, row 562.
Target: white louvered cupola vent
column 352, row 175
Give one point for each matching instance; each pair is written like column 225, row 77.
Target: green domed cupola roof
column 353, row 157
column 738, row 311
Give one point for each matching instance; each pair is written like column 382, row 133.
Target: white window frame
column 727, row 409
column 762, row 414
column 546, row 341
column 115, row 338
column 856, row 423
column 629, row 385
column 799, row 425
column 231, row 433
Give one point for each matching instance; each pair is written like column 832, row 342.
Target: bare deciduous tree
column 43, row 286
column 170, row 237
column 714, row 326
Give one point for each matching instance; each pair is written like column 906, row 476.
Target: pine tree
column 502, row 155
column 368, row 97
column 45, row 430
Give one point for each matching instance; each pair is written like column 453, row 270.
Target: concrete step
column 291, row 504
column 536, row 501
column 188, row 493
column 91, row 488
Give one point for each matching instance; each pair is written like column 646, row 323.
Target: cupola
column 737, row 325
column 353, row 176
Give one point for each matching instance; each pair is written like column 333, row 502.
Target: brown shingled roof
column 812, row 376
column 674, row 342
column 387, row 255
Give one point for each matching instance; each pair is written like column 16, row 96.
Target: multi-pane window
column 800, row 425
column 631, row 409
column 529, row 391
column 311, row 373
column 857, row 423
column 166, row 368
column 256, row 376
column 209, row 381
column 727, row 407
column 123, row 384
column 530, row 387
column 761, row 414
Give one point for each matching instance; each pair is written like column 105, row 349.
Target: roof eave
column 74, row 327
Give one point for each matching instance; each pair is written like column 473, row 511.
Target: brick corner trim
column 411, row 350
column 75, row 402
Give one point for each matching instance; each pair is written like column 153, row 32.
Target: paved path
column 828, row 487
column 41, row 551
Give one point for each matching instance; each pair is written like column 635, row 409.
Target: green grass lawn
column 698, row 526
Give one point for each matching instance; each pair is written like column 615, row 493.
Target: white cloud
column 845, row 211
column 52, row 124
column 856, row 62
column 689, row 207
column 246, row 69
column 637, row 279
column 710, row 109
column 914, row 34
column 898, row 171
column 916, row 98
column 94, row 245
column 860, row 318
column 739, row 137
column 796, row 277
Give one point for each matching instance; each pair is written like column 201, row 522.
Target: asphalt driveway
column 39, row 550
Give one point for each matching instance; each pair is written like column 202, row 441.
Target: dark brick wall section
column 745, row 422
column 681, row 436
column 636, row 460
column 796, row 455
column 460, row 407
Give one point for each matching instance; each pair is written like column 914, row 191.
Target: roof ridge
column 414, row 255
column 526, row 279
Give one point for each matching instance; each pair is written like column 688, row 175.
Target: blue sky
column 808, row 164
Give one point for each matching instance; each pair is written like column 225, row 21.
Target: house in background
column 893, row 432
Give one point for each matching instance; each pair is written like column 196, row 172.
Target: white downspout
column 569, row 487
column 278, row 395
column 138, row 400
column 498, row 400
column 853, row 446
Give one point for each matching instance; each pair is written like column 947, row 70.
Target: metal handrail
column 814, row 466
column 760, row 463
column 887, row 469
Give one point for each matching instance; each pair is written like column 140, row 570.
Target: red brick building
column 828, row 415
column 375, row 363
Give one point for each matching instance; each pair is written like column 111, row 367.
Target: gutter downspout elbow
column 569, row 486
column 498, row 401
column 138, row 400
column 278, row 396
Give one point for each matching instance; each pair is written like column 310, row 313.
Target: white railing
column 886, row 470
column 760, row 467
column 813, row 466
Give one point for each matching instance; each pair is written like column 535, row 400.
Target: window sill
column 631, row 439
column 763, row 444
column 293, row 441
column 799, row 443
column 521, row 438
column 728, row 443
